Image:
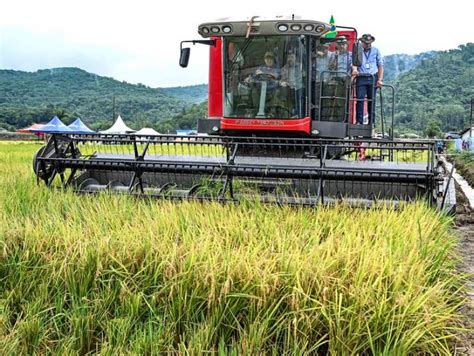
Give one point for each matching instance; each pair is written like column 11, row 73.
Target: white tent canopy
column 118, row 128
column 147, row 131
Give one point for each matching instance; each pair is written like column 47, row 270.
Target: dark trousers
column 366, row 87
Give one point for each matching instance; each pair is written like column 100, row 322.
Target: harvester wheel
column 42, row 170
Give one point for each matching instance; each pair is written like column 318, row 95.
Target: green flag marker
column 333, row 32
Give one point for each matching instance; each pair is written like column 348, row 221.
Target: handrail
column 393, row 106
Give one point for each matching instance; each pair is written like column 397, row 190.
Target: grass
column 464, row 162
column 117, row 275
column 466, row 158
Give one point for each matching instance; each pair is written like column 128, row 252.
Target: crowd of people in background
column 459, row 144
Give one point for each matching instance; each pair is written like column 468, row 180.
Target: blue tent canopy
column 54, row 126
column 79, row 127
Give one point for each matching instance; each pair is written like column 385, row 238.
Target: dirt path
column 465, row 229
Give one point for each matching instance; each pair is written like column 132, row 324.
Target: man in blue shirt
column 268, row 74
column 269, row 71
column 368, row 74
column 341, row 59
column 321, row 63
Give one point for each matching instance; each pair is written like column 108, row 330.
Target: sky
column 138, row 41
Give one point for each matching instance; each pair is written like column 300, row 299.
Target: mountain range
column 430, row 86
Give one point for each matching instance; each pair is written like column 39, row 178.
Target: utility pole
column 113, row 108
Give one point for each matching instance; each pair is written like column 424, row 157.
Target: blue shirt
column 274, row 72
column 371, row 60
column 319, row 66
column 342, row 63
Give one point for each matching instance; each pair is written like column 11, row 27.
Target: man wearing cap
column 321, row 64
column 269, row 69
column 369, row 72
column 341, row 60
column 268, row 73
column 319, row 72
column 340, row 64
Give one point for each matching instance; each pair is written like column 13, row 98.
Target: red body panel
column 215, row 80
column 296, row 125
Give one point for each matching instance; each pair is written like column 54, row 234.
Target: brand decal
column 259, row 122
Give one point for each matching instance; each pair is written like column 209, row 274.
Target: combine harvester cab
column 280, row 129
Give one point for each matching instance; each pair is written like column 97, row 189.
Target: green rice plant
column 154, row 149
column 82, row 326
column 117, row 275
column 408, row 156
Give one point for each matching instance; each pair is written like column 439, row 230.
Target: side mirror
column 184, row 57
column 356, row 55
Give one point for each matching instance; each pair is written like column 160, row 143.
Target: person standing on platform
column 368, row 76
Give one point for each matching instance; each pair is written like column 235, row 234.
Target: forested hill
column 191, row 93
column 395, row 64
column 430, row 87
column 27, row 97
column 438, row 89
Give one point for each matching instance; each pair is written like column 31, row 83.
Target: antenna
column 250, row 24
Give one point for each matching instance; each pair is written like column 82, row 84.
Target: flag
column 332, row 33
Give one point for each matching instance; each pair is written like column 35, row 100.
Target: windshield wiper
column 239, row 54
column 235, row 60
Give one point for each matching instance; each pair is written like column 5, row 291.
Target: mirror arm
column 184, row 56
column 206, row 42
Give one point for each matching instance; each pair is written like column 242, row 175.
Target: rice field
column 118, row 275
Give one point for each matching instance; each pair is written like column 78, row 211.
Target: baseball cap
column 342, row 39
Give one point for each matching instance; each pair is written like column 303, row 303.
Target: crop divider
column 138, row 171
column 228, row 182
column 322, row 164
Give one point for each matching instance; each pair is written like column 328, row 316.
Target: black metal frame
column 304, row 160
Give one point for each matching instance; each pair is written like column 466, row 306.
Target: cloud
column 24, row 50
column 139, row 41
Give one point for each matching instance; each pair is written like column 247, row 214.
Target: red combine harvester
column 314, row 104
column 280, row 128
